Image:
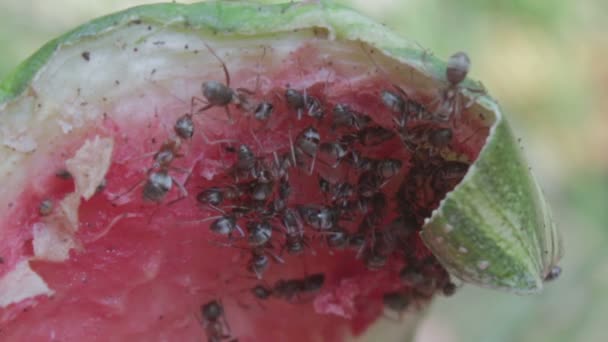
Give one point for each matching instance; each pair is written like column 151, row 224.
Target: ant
column 553, row 274
column 291, row 289
column 159, row 181
column 215, row 323
column 184, row 127
column 397, row 302
column 369, row 183
column 337, row 238
column 427, row 135
column 259, row 261
column 335, row 152
column 217, row 94
column 295, row 241
column 344, row 116
column 374, row 135
column 301, row 101
column 402, row 106
column 279, row 204
column 223, row 224
column 307, row 143
column 388, row 168
column 416, row 279
column 450, row 97
column 45, row 208
column 448, row 289
column 263, row 111
column 212, row 196
column 319, row 217
column 247, row 164
column 259, row 233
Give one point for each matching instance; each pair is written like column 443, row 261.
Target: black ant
column 396, row 301
column 308, row 142
column 319, row 217
column 259, row 261
column 184, row 127
column 215, row 196
column 295, row 241
column 63, row 174
column 388, row 168
column 218, row 94
column 553, row 274
column 261, row 191
column 301, row 101
column 291, row 289
column 45, row 207
column 450, row 98
column 337, row 238
column 159, row 182
column 402, row 106
column 224, row 224
column 335, row 152
column 284, row 191
column 263, row 111
column 259, row 233
column 414, row 278
column 342, row 191
column 214, row 322
column 344, row 116
column 448, row 289
column 369, row 183
column 374, row 135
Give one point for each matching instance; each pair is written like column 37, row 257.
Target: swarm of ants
column 256, row 210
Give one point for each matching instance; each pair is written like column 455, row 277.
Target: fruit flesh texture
column 146, row 276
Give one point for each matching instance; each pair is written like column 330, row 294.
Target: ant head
column 554, row 273
column 184, row 127
column 458, row 67
column 212, row 310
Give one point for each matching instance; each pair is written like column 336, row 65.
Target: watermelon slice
column 228, row 171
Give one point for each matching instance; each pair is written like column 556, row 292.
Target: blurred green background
column 546, row 61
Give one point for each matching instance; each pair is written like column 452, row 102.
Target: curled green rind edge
column 497, row 213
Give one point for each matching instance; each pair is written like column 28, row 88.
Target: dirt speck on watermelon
column 305, row 165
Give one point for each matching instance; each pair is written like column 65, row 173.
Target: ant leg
column 312, row 164
column 215, row 142
column 292, row 150
column 255, row 137
column 240, row 230
column 206, row 219
column 392, row 318
column 131, row 189
column 229, row 114
column 206, row 105
column 246, row 91
column 145, row 155
column 182, row 190
column 276, row 257
column 226, row 74
column 113, row 222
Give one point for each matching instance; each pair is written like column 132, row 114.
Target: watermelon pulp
column 140, row 270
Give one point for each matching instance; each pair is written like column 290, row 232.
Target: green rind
column 497, row 213
column 495, row 229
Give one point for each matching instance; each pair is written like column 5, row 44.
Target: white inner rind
column 21, row 283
